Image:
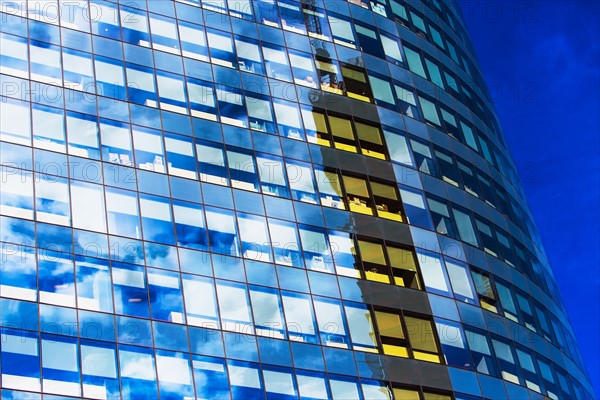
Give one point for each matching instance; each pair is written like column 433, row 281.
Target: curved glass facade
column 279, row 199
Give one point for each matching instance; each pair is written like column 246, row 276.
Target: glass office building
column 264, row 199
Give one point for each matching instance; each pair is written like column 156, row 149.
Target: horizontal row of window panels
column 77, row 72
column 115, row 86
column 357, row 198
column 100, row 370
column 294, row 17
column 53, row 205
column 326, row 83
column 243, row 170
column 84, row 140
column 321, row 251
column 462, row 347
column 342, row 192
column 218, row 304
column 146, row 95
column 318, row 128
column 437, row 275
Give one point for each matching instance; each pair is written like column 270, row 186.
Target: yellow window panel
column 341, row 127
column 359, row 97
column 426, row 357
column 327, row 67
column 406, row 278
column 387, row 191
column 356, row 186
column 376, row 276
column 346, row 147
column 318, row 140
column 389, row 215
column 397, row 351
column 399, row 281
column 374, row 154
column 319, row 36
column 389, row 325
column 436, row 396
column 331, row 89
column 352, row 74
column 406, row 394
column 487, row 306
column 368, row 133
column 371, row 252
column 360, row 208
column 421, row 335
column 402, row 258
column 323, row 142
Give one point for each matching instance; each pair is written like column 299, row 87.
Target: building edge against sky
column 264, row 199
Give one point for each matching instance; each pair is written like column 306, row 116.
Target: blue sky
column 541, row 60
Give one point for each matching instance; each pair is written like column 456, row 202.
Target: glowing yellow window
column 387, row 202
column 372, row 253
column 358, row 195
column 404, row 267
column 422, row 339
column 406, row 394
column 389, row 325
column 343, row 134
column 370, row 140
column 391, row 334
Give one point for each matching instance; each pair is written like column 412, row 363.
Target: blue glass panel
column 210, row 377
column 18, row 314
column 138, row 376
column 166, row 299
column 99, row 369
column 241, row 347
column 158, row 255
column 130, row 290
column 245, row 379
column 134, row 331
column 96, row 326
column 464, row 381
column 20, row 359
column 307, row 356
column 206, row 341
column 170, row 336
column 339, row 361
column 273, row 351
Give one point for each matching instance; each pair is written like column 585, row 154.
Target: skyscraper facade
column 264, row 199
